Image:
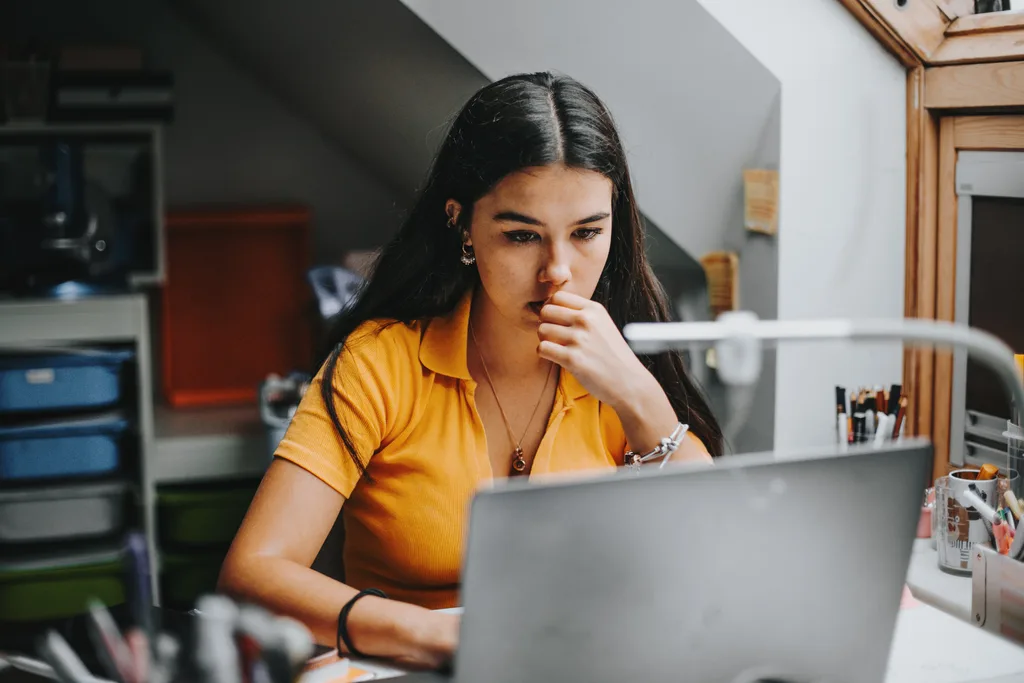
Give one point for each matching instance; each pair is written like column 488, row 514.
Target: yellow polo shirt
column 405, row 395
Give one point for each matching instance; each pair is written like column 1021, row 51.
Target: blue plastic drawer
column 61, row 381
column 57, row 450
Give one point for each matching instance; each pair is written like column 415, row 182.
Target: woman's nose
column 556, row 269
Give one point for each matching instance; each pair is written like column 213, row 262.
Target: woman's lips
column 535, row 306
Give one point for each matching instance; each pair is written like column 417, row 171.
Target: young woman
column 486, row 345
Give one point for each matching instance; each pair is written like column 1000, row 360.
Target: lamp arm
column 745, row 331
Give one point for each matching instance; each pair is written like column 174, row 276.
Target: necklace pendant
column 518, row 461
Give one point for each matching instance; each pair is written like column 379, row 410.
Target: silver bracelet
column 665, row 449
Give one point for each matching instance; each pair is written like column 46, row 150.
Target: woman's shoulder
column 381, row 340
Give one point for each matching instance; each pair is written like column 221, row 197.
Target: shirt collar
column 444, row 345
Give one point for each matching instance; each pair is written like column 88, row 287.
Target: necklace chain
column 518, row 461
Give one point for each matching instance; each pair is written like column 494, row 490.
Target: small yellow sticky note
column 761, row 200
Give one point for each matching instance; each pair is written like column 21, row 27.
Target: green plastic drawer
column 183, row 578
column 202, row 515
column 59, row 585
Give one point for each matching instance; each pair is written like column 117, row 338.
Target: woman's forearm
column 647, row 417
column 376, row 626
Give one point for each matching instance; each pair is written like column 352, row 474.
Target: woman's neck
column 507, row 348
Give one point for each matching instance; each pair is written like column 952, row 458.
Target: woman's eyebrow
column 516, row 217
column 593, row 219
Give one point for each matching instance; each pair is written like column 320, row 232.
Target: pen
column 900, row 415
column 137, row 556
column 56, row 652
column 296, row 642
column 842, row 425
column 111, row 648
column 893, row 400
column 869, row 418
column 215, row 650
column 165, row 666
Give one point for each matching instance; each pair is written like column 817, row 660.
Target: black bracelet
column 343, row 636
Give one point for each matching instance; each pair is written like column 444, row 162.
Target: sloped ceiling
column 372, row 76
column 691, row 102
column 368, row 73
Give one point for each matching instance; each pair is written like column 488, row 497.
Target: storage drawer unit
column 202, row 515
column 59, row 584
column 62, row 513
column 78, row 380
column 61, row 449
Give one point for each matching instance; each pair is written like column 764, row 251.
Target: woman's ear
column 453, row 208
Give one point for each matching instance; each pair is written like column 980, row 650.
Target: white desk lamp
column 738, row 337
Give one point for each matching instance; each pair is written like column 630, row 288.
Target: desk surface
column 919, row 653
column 948, row 592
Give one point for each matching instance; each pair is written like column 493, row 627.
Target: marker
column 897, row 428
column 842, row 428
column 111, row 648
column 882, row 432
column 858, row 422
column 1002, row 534
column 987, row 471
column 1012, row 502
column 869, row 418
column 972, row 496
column 215, row 652
column 1017, row 547
column 297, row 643
column 892, row 401
column 165, row 667
column 59, row 655
column 141, row 602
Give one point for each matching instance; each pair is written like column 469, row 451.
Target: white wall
column 842, row 227
column 840, row 242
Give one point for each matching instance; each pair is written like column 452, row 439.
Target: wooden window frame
column 941, row 32
column 965, row 91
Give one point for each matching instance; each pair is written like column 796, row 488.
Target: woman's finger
column 560, row 334
column 568, row 300
column 560, row 315
column 556, row 353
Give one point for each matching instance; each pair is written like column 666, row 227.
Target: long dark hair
column 520, row 121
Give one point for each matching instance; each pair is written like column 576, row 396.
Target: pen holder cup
column 957, row 526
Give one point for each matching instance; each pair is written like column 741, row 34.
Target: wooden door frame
column 956, row 133
column 965, row 91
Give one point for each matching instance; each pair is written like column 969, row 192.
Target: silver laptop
column 763, row 567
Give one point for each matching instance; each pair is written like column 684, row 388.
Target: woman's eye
column 587, row 233
column 520, row 236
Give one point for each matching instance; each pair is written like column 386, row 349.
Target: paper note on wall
column 761, row 200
